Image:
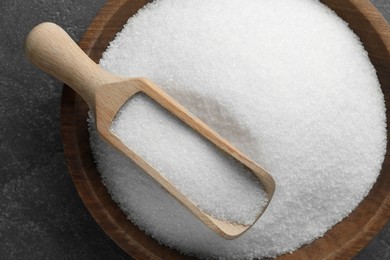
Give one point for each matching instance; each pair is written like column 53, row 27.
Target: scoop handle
column 52, row 50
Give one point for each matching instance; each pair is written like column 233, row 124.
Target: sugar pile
column 217, row 183
column 286, row 82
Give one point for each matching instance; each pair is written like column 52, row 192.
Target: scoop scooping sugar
column 51, row 49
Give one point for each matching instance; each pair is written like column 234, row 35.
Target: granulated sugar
column 217, row 183
column 286, row 82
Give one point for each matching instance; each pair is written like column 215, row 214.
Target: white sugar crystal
column 218, row 184
column 286, row 82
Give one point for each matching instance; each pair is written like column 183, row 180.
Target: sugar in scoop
column 213, row 180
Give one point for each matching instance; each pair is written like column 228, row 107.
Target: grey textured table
column 41, row 214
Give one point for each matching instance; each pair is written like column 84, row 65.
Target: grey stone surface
column 41, row 214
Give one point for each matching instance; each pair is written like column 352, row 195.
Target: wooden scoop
column 52, row 50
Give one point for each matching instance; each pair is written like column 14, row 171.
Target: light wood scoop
column 52, row 50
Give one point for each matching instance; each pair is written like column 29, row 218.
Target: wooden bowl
column 342, row 241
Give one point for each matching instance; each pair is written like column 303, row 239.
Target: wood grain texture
column 52, row 50
column 341, row 242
